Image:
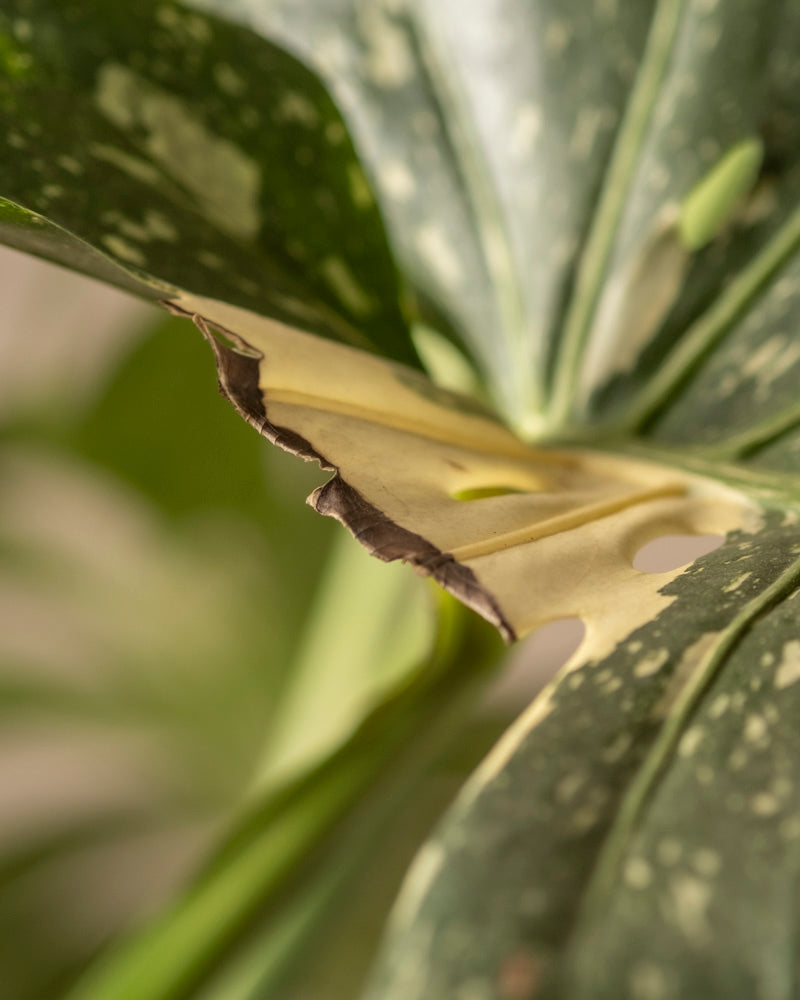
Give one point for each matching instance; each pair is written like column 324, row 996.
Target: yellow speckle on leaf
column 126, row 251
column 224, row 180
column 345, row 286
column 638, row 873
column 788, row 670
column 755, row 728
column 651, row 663
column 228, row 80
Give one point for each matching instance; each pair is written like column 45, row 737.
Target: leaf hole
column 534, row 662
column 669, row 552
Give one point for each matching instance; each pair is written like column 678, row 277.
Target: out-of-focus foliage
column 156, row 592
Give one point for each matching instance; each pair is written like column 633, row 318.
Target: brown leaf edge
column 238, row 377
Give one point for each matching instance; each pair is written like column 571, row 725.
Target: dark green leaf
column 624, row 831
column 173, row 150
column 486, row 146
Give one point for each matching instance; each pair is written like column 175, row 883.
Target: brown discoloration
column 238, row 375
column 239, row 381
column 388, row 541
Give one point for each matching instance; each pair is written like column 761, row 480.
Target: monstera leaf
column 598, row 204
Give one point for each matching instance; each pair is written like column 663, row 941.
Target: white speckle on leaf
column 389, row 60
column 397, row 180
column 228, row 80
column 735, row 584
column 335, row 133
column 689, row 899
column 773, row 359
column 755, row 728
column 690, row 741
column 706, row 862
column 210, row 259
column 159, row 226
column 651, row 663
column 738, row 759
column 439, row 254
column 295, row 107
column 525, row 131
column 168, row 17
column 23, row 30
column 345, row 286
column 359, row 188
column 790, row 828
column 70, row 164
column 788, row 670
column 224, row 180
column 134, row 166
column 638, row 874
column 765, row 804
column 177, row 21
column 606, row 10
column 704, row 774
column 137, row 231
column 569, row 786
column 332, row 53
column 556, row 37
column 124, row 250
column 719, row 706
column 617, row 749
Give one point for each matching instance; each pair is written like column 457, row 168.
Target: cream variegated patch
column 544, row 534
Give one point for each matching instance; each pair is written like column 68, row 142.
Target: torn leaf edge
column 239, row 382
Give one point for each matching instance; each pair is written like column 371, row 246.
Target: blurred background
column 148, row 613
